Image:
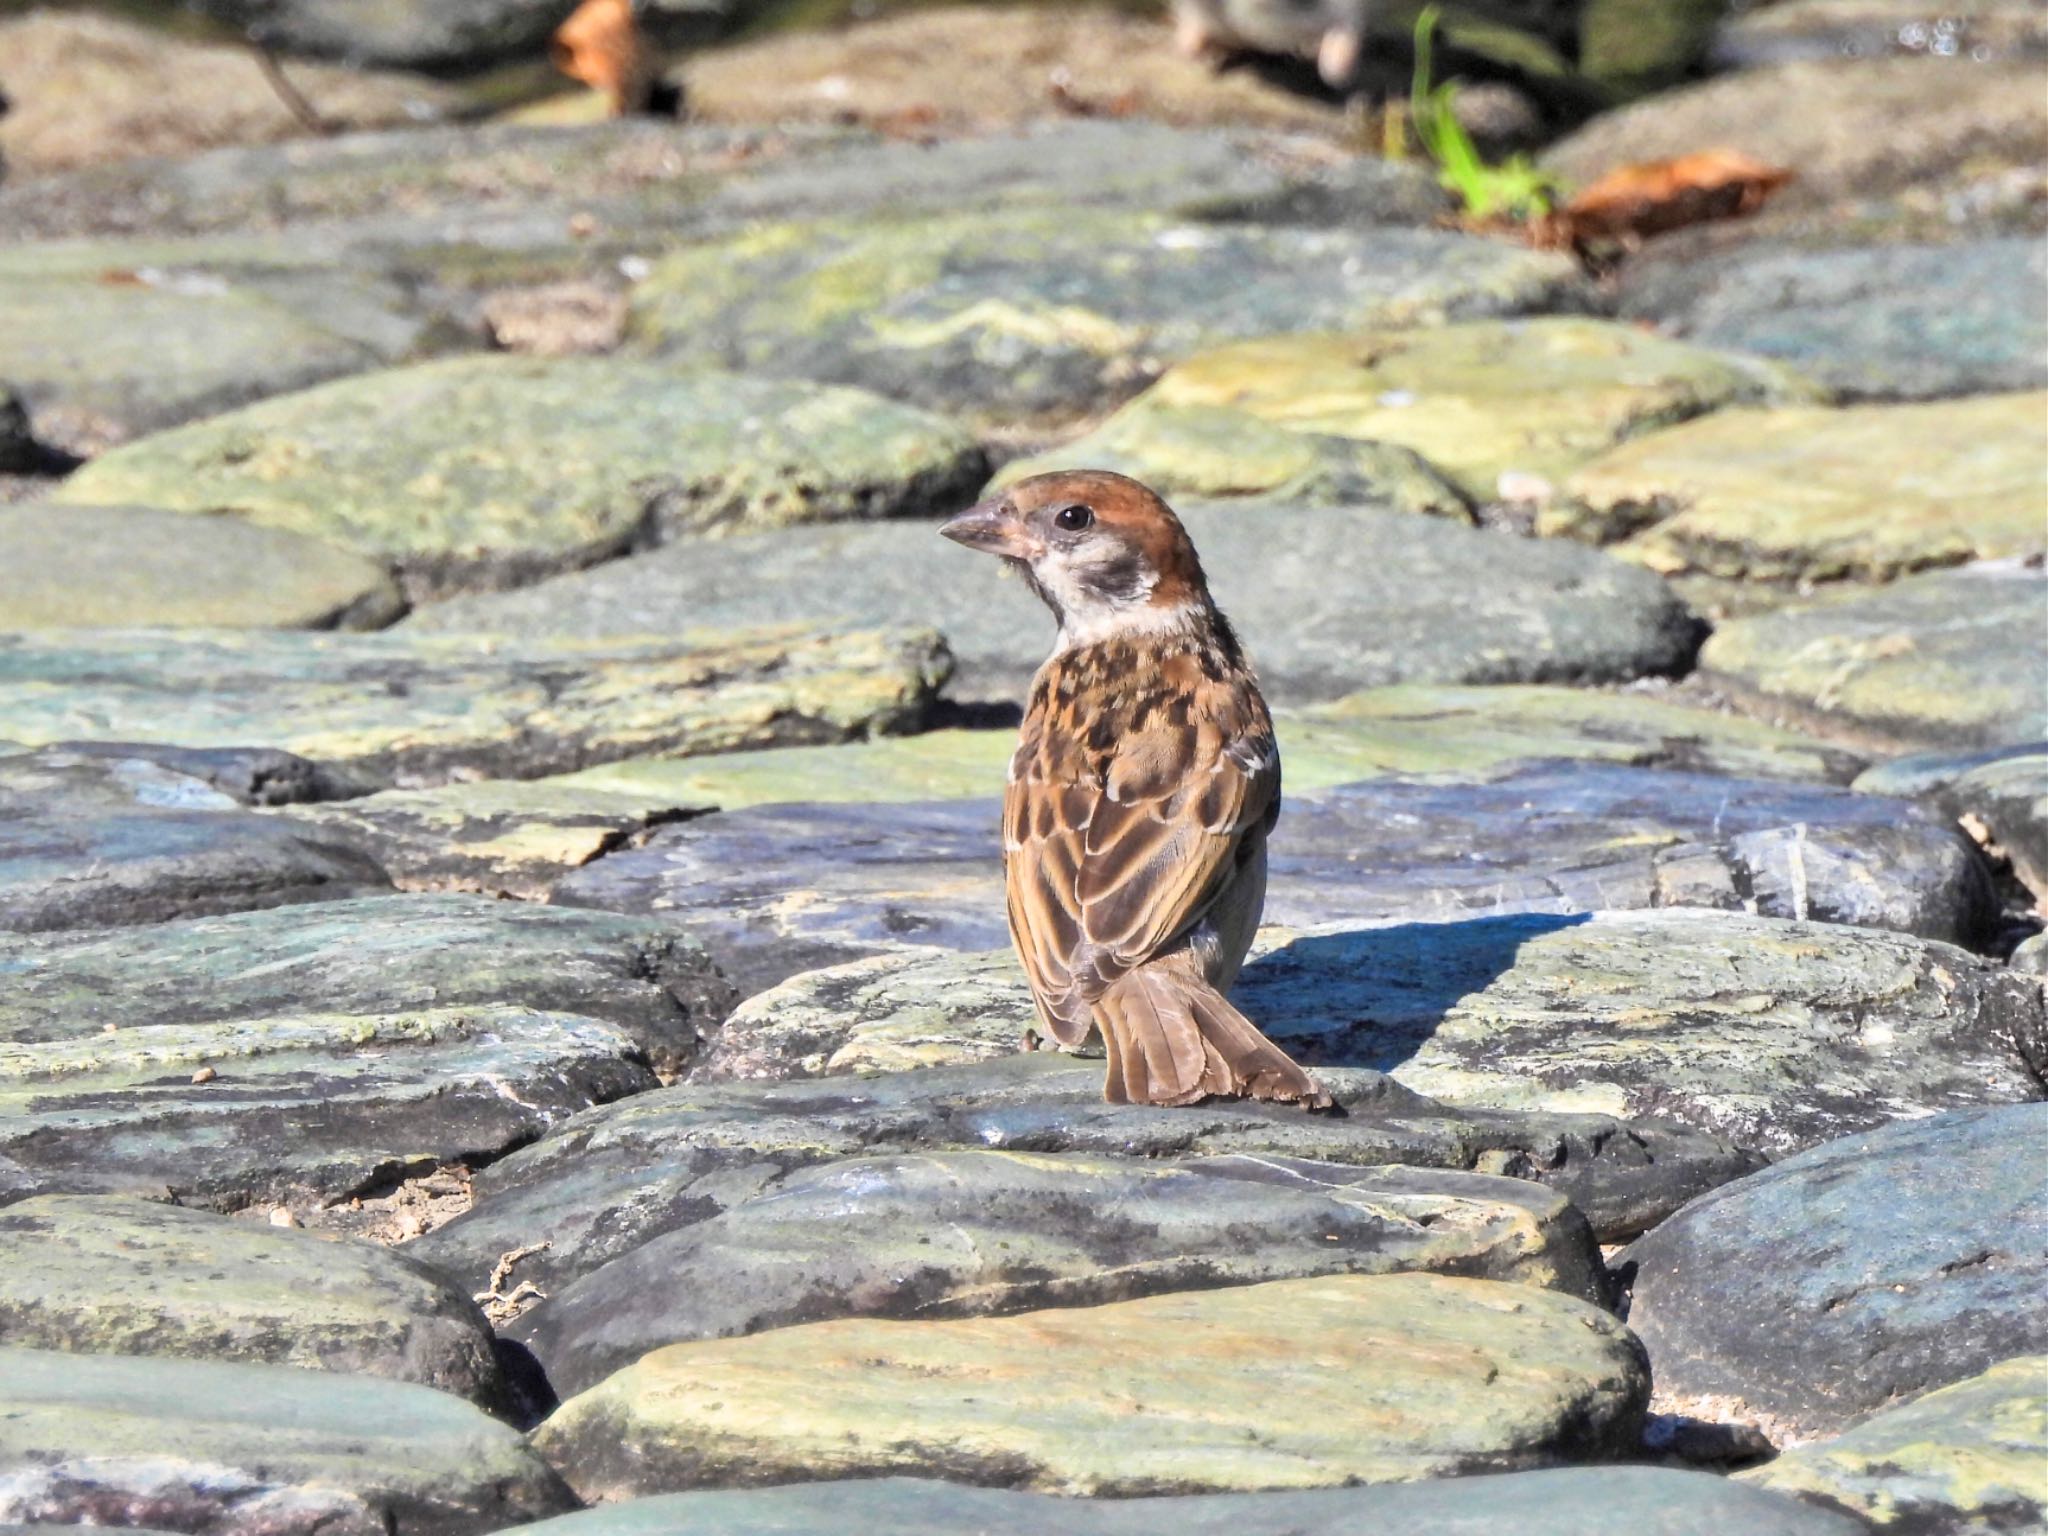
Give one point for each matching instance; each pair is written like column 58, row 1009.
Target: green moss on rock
column 1477, row 401
column 1297, row 1383
column 490, row 471
column 1868, row 493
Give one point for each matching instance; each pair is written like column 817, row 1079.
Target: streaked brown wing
column 1105, row 873
column 1040, row 874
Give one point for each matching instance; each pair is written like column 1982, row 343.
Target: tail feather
column 1174, row 1039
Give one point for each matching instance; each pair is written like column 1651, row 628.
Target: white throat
column 1142, row 620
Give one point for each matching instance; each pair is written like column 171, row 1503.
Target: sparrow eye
column 1073, row 519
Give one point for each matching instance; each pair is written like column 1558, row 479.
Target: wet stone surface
column 782, row 888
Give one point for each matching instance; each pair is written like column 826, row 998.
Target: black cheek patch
column 1122, row 577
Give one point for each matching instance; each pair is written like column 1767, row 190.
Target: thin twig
column 293, row 98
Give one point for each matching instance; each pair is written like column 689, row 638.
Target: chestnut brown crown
column 1098, row 547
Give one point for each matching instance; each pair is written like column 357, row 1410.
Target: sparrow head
column 1104, row 552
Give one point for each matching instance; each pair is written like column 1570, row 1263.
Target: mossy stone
column 1477, row 401
column 490, row 471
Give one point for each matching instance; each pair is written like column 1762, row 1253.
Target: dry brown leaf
column 600, row 45
column 1627, row 206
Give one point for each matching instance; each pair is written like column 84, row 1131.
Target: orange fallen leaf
column 600, row 45
column 1627, row 206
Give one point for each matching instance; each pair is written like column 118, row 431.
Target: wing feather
column 1127, row 807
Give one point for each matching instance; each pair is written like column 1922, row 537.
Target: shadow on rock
column 1373, row 997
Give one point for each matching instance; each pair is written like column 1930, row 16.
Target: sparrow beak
column 992, row 527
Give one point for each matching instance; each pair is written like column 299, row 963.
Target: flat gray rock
column 214, row 1446
column 305, row 1054
column 782, row 888
column 524, row 836
column 1052, row 315
column 2003, row 790
column 1857, row 1274
column 1329, row 600
column 1754, row 1028
column 113, row 837
column 119, row 567
column 419, row 709
column 609, row 1181
column 1883, row 322
column 106, row 343
column 1927, row 662
column 109, row 1275
column 1644, row 1501
column 983, row 1233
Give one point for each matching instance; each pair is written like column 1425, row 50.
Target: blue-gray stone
column 1882, row 322
column 1858, row 1273
column 1329, row 599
